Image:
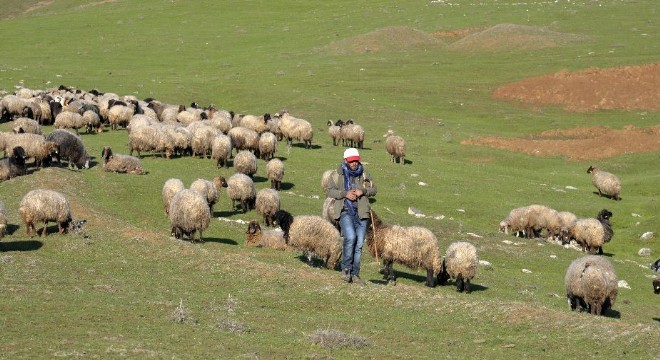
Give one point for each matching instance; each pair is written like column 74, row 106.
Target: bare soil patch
column 621, row 88
column 396, row 38
column 579, row 144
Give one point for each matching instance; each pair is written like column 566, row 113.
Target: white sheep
column 267, row 204
column 296, row 128
column 606, row 183
column 460, row 263
column 395, row 146
column 275, row 173
column 221, row 148
column 170, row 188
column 312, row 235
column 42, row 205
column 246, row 163
column 119, row 163
column 591, row 283
column 240, row 187
column 189, row 213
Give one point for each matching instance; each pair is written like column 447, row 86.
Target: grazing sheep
column 412, row 246
column 275, row 172
column 70, row 147
column 210, row 190
column 150, row 138
column 43, row 206
column 312, row 235
column 240, row 187
column 14, row 165
column 460, row 263
column 120, row 113
column 567, row 219
column 189, row 213
column 244, row 139
column 202, row 140
column 221, row 150
column 295, row 128
column 92, row 121
column 245, row 163
column 26, row 125
column 34, row 146
column 3, row 220
column 352, row 135
column 14, row 105
column 334, row 130
column 267, row 205
column 180, row 137
column 531, row 220
column 395, row 146
column 267, row 145
column 170, row 188
column 591, row 283
column 592, row 233
column 69, row 120
column 119, row 163
column 606, row 183
column 271, row 239
column 256, row 123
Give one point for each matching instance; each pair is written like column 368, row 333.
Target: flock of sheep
column 168, row 130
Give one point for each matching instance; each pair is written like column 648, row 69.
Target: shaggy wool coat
column 337, row 192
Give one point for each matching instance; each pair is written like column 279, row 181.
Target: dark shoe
column 346, row 275
column 356, row 280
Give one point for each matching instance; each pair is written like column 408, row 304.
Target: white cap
column 351, row 154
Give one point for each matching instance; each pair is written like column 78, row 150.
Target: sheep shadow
column 656, row 319
column 259, row 179
column 28, row 245
column 315, row 263
column 473, row 287
column 286, row 186
column 12, row 228
column 611, row 313
column 303, row 146
column 607, row 196
column 220, row 241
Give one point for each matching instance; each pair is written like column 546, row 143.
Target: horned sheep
column 591, row 283
column 270, row 239
column 606, row 183
column 42, row 205
column 414, row 247
column 334, row 130
column 189, row 213
column 312, row 235
column 460, row 263
column 120, row 163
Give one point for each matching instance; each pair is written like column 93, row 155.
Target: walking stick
column 373, row 229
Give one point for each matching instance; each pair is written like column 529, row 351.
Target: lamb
column 312, row 235
column 189, row 213
column 592, row 233
column 295, row 128
column 272, row 239
column 334, row 130
column 267, row 205
column 70, row 147
column 26, row 125
column 591, row 283
column 606, row 183
column 3, row 220
column 170, row 188
column 240, row 187
column 14, row 165
column 267, row 145
column 352, row 135
column 210, row 190
column 413, row 247
column 42, row 205
column 275, row 172
column 69, row 120
column 246, row 163
column 395, row 146
column 119, row 163
column 460, row 263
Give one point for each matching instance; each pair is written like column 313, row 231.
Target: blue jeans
column 354, row 230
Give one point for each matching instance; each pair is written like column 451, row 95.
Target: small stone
column 421, row 183
column 636, row 215
column 460, row 210
column 553, row 256
column 508, row 242
column 414, row 211
column 623, row 284
column 646, row 236
column 484, row 263
column 526, row 271
column 571, row 187
column 644, row 252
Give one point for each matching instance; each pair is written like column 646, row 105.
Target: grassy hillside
column 127, row 289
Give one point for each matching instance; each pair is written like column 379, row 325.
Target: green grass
column 129, row 290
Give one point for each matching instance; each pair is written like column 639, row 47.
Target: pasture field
column 425, row 69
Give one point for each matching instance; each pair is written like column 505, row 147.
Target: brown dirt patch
column 504, row 37
column 588, row 143
column 395, row 38
column 621, row 88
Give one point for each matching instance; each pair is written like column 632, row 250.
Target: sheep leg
column 460, row 286
column 44, row 231
column 430, row 279
column 467, row 286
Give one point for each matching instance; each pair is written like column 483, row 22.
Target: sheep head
column 591, row 169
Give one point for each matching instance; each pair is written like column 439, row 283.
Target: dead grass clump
column 232, row 326
column 336, row 339
column 181, row 314
column 513, row 37
column 395, row 38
